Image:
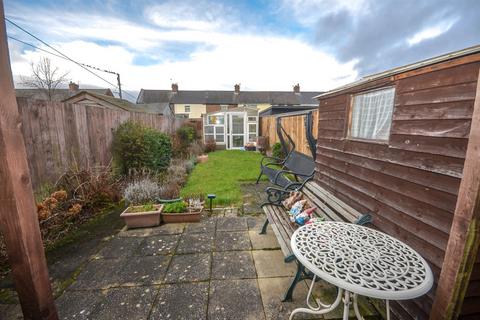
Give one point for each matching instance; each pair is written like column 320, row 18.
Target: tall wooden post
column 464, row 240
column 18, row 214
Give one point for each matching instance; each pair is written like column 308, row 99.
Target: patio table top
column 362, row 260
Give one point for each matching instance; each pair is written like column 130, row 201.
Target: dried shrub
column 142, row 192
column 210, row 145
column 196, row 148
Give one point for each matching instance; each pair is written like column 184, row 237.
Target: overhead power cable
column 64, row 56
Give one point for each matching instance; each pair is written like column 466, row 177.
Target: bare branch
column 46, row 78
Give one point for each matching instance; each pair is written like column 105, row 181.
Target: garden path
column 220, row 268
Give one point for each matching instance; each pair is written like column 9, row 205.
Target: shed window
column 187, row 109
column 372, row 114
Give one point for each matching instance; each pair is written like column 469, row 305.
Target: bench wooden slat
column 328, row 206
column 327, row 212
column 283, row 240
column 335, row 202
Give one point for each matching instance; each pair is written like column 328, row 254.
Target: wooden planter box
column 142, row 219
column 191, row 216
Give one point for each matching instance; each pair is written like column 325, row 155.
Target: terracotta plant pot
column 203, row 158
column 142, row 219
column 191, row 216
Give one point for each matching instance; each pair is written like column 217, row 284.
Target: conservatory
column 233, row 128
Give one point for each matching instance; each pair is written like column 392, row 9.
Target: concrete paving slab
column 231, row 241
column 158, row 245
column 119, row 247
column 78, row 304
column 233, row 265
column 195, row 243
column 125, row 303
column 327, row 293
column 169, row 228
column 206, row 225
column 263, row 241
column 189, row 268
column 269, row 263
column 232, row 224
column 142, row 270
column 273, row 290
column 181, row 301
column 231, row 212
column 255, row 222
column 10, row 312
column 98, row 274
column 235, row 299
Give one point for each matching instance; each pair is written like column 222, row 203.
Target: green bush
column 175, row 207
column 277, row 150
column 184, row 137
column 137, row 147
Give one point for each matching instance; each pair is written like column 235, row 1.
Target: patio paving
column 219, row 268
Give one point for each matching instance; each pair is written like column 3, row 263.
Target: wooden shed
column 394, row 144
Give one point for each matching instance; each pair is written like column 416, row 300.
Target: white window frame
column 187, row 109
column 353, row 109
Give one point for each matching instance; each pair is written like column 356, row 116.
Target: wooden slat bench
column 328, row 206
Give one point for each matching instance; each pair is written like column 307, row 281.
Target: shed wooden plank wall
column 410, row 184
column 295, row 127
column 57, row 134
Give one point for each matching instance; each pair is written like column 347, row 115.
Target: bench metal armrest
column 276, row 161
column 296, row 174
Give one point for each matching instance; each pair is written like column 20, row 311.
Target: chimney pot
column 72, row 87
column 237, row 88
column 296, row 88
column 175, row 87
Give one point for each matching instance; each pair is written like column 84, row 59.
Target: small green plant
column 277, row 150
column 175, row 207
column 136, row 147
column 145, row 208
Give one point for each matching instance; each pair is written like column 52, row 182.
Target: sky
column 262, row 45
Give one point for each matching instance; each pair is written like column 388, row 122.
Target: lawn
column 222, row 175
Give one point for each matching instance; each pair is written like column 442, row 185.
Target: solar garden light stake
column 211, row 196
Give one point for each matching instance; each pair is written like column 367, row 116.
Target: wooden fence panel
column 294, row 125
column 58, row 134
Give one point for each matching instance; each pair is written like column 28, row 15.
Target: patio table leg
column 346, row 305
column 318, row 310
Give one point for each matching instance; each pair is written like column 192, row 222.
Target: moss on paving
column 104, row 223
column 222, row 175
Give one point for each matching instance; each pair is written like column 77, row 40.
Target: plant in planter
column 188, row 210
column 142, row 212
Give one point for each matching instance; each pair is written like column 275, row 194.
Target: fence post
column 18, row 214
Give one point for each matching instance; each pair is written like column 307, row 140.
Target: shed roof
column 60, row 94
column 109, row 101
column 405, row 68
column 227, row 97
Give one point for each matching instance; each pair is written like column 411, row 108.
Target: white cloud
column 307, row 12
column 258, row 62
column 430, row 32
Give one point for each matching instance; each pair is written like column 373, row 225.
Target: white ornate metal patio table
column 359, row 261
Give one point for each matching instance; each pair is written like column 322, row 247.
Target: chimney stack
column 72, row 87
column 237, row 88
column 296, row 88
column 175, row 87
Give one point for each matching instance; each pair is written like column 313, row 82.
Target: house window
column 187, row 109
column 224, row 107
column 371, row 115
column 215, row 120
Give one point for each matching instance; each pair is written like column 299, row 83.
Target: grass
column 222, row 175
